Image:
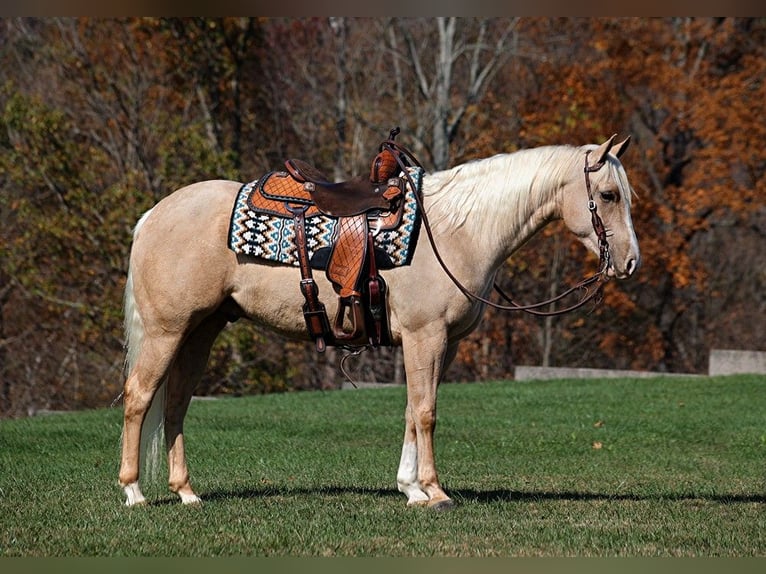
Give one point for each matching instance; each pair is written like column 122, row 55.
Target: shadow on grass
column 471, row 495
column 490, row 496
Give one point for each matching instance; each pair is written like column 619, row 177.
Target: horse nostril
column 630, row 268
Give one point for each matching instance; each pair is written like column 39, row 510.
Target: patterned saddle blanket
column 257, row 231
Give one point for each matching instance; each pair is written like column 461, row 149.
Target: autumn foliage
column 99, row 119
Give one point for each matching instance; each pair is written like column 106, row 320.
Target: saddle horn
column 385, row 166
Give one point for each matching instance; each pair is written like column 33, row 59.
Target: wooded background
column 101, row 118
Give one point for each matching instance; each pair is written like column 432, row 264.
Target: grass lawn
column 629, row 467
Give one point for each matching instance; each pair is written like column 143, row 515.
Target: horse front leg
column 424, row 360
column 407, row 475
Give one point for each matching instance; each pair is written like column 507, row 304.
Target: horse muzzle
column 628, row 268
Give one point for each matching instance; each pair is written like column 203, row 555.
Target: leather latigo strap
column 314, row 312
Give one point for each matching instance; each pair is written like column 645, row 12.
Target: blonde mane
column 503, row 190
column 508, row 182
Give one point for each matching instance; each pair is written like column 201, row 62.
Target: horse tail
column 152, row 430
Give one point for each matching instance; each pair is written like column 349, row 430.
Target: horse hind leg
column 185, row 374
column 143, row 397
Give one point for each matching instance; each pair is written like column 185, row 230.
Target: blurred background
column 101, row 118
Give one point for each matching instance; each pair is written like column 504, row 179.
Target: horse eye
column 608, row 196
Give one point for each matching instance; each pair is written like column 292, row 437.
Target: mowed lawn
column 628, row 467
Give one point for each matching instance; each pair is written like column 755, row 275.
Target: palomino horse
column 184, row 284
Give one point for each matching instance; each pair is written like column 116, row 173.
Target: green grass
column 681, row 471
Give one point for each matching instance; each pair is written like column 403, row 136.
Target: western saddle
column 303, row 191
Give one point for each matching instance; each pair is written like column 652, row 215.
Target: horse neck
column 497, row 204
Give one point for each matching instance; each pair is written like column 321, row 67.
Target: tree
column 705, row 77
column 88, row 142
column 99, row 119
column 467, row 54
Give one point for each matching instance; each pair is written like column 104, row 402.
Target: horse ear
column 600, row 153
column 620, row 148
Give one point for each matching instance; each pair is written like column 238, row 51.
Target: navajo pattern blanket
column 271, row 237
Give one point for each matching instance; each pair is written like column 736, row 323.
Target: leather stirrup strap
column 314, row 312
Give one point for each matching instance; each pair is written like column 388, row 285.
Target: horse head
column 600, row 185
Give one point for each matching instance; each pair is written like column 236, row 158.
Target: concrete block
column 529, row 373
column 732, row 362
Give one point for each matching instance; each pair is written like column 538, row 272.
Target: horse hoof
column 189, row 499
column 442, row 505
column 133, row 495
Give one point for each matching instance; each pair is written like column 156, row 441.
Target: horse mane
column 514, row 182
column 507, row 181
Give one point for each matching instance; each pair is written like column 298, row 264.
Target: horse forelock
column 618, row 174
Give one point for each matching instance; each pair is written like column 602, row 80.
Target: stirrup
column 354, row 303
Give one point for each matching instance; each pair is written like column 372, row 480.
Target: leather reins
column 599, row 279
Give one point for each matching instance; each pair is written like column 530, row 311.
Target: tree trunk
column 548, row 324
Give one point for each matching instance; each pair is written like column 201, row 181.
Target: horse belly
column 270, row 295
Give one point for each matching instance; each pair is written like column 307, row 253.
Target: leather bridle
column 592, row 285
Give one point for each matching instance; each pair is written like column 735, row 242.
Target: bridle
column 592, row 285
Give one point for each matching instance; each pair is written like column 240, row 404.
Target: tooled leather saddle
column 303, row 191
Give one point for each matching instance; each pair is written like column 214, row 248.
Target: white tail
column 152, row 430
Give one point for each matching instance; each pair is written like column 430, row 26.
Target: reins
column 600, row 278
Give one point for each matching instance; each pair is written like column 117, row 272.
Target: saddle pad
column 271, row 237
